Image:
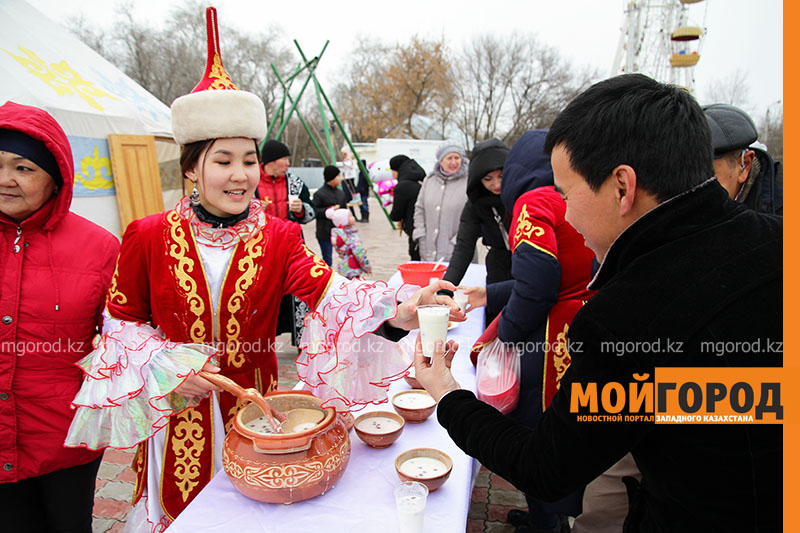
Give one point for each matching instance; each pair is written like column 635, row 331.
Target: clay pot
column 286, row 467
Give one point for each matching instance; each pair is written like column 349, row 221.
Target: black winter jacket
column 409, row 181
column 483, row 216
column 324, row 198
column 697, row 269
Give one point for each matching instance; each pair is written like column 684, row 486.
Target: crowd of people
column 638, row 216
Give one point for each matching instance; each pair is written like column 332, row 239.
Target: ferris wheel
column 663, row 39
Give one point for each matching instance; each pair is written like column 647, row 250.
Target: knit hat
column 397, row 161
column 216, row 108
column 274, row 150
column 330, row 173
column 731, row 128
column 19, row 143
column 340, row 217
column 447, row 148
column 487, row 156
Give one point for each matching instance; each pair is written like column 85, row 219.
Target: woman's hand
column 407, row 311
column 435, row 374
column 196, row 386
column 476, row 295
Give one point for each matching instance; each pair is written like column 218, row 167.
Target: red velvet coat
column 160, row 280
column 55, row 268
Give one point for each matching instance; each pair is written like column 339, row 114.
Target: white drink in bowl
column 433, row 321
column 410, row 499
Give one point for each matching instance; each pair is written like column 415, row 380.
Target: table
column 362, row 501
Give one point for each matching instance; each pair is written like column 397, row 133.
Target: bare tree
column 733, row 90
column 508, row 85
column 771, row 130
column 169, row 61
column 387, row 89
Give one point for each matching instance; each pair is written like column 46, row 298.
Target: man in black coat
column 409, row 176
column 329, row 195
column 747, row 172
column 688, row 278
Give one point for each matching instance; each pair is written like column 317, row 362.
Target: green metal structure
column 282, row 116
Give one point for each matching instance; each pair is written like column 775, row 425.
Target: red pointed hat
column 216, row 108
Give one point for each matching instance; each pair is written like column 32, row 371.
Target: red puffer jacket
column 55, row 268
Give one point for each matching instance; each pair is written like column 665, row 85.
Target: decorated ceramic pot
column 286, row 467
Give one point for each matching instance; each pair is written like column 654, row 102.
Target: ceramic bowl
column 429, row 466
column 426, row 405
column 376, row 432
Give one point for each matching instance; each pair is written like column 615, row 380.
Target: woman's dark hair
column 190, row 154
column 657, row 129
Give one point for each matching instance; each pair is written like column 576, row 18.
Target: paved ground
column 492, row 496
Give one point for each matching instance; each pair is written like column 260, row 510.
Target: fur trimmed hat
column 216, row 108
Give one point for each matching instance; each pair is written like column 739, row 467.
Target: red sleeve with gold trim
column 129, row 293
column 307, row 276
column 536, row 215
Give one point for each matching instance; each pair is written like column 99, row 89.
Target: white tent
column 44, row 65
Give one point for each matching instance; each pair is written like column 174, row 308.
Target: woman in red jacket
column 51, row 302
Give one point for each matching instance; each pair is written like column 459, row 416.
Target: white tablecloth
column 363, row 500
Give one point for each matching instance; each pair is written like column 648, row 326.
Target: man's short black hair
column 657, row 129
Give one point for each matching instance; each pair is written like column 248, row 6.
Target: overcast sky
column 741, row 34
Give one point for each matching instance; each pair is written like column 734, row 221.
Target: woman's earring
column 195, row 197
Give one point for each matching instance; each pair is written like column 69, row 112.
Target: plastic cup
column 409, row 498
column 461, row 299
column 433, row 320
column 293, row 197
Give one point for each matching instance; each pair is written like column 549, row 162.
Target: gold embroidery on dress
column 526, row 228
column 187, row 445
column 115, row 296
column 185, row 265
column 561, row 359
column 220, row 77
column 247, row 266
column 320, row 267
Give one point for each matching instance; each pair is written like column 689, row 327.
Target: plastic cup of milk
column 461, row 299
column 433, row 320
column 409, row 497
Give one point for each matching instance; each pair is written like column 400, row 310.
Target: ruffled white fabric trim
column 342, row 361
column 127, row 392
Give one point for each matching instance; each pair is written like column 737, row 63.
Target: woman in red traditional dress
column 199, row 287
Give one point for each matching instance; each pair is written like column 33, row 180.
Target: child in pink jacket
column 347, row 243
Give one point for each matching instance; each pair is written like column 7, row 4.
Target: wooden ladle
column 227, row 384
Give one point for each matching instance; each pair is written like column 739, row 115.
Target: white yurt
column 118, row 131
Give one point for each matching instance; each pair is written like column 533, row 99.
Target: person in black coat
column 688, row 279
column 409, row 176
column 362, row 188
column 327, row 196
column 484, row 216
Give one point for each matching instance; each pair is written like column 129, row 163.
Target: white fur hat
column 216, row 108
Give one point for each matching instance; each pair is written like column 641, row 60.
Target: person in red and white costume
column 198, row 287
